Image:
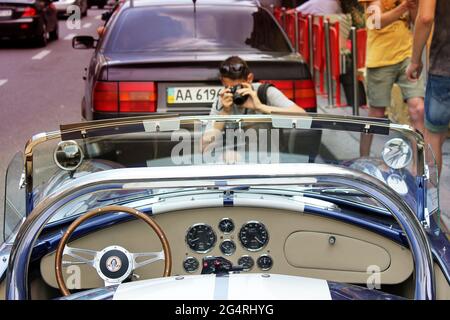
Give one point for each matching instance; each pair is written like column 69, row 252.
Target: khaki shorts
column 381, row 80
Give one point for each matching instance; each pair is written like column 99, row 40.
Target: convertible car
column 227, row 207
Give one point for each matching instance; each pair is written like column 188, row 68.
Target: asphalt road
column 40, row 88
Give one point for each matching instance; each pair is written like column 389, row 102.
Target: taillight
column 29, row 12
column 125, row 97
column 302, row 92
column 137, row 97
column 106, row 97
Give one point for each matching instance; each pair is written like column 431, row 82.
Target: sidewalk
column 322, row 107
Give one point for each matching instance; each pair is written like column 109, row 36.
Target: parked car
column 34, row 20
column 159, row 56
column 282, row 217
column 66, row 8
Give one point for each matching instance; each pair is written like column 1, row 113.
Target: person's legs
column 413, row 93
column 379, row 88
column 416, row 113
column 436, row 140
column 366, row 139
column 437, row 114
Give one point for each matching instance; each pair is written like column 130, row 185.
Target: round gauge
column 226, row 225
column 201, row 238
column 253, row 236
column 246, row 262
column 265, row 262
column 228, row 247
column 190, row 264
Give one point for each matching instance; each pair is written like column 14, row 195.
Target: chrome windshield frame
column 221, row 175
column 81, row 130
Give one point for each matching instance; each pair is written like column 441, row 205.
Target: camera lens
column 238, row 99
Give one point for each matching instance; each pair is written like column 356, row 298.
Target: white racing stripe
column 87, row 25
column 232, row 286
column 70, row 36
column 41, row 55
column 3, row 81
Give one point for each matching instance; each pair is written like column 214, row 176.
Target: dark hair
column 234, row 68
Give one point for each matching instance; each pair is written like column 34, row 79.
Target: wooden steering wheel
column 114, row 264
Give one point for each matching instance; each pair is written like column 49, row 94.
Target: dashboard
column 254, row 239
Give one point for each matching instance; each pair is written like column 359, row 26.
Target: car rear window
column 210, row 29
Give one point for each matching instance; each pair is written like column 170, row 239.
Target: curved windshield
column 394, row 156
column 144, row 29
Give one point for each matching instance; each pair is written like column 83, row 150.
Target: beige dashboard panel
column 442, row 285
column 333, row 252
column 135, row 236
column 3, row 290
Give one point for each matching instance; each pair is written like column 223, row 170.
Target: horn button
column 114, row 264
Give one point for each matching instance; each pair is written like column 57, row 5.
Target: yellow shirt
column 389, row 45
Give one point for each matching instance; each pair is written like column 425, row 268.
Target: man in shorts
column 389, row 49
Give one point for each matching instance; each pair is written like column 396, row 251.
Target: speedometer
column 253, row 235
column 201, row 238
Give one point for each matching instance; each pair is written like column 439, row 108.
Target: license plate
column 5, row 13
column 189, row 95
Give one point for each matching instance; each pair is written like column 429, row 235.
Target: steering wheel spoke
column 150, row 258
column 76, row 253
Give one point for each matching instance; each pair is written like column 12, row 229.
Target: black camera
column 238, row 99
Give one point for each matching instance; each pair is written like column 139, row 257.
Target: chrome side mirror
column 397, row 153
column 68, row 155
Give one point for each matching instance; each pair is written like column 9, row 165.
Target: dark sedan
column 32, row 19
column 156, row 56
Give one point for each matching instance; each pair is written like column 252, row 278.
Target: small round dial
column 246, row 262
column 228, row 247
column 201, row 238
column 226, row 225
column 253, row 236
column 265, row 262
column 190, row 264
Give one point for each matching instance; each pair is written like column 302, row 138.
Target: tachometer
column 201, row 238
column 253, row 236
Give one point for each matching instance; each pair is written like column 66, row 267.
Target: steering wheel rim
column 101, row 211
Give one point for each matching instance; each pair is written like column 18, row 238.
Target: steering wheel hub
column 114, row 265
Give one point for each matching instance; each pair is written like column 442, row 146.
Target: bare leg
column 416, row 113
column 436, row 140
column 366, row 139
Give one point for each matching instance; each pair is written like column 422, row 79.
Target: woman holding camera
column 241, row 96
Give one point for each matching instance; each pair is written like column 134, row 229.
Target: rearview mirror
column 84, row 42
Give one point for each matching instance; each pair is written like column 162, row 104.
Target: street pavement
column 40, row 88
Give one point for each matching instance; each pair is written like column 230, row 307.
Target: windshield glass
column 186, row 141
column 172, row 28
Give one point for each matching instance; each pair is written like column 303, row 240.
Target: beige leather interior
column 298, row 243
